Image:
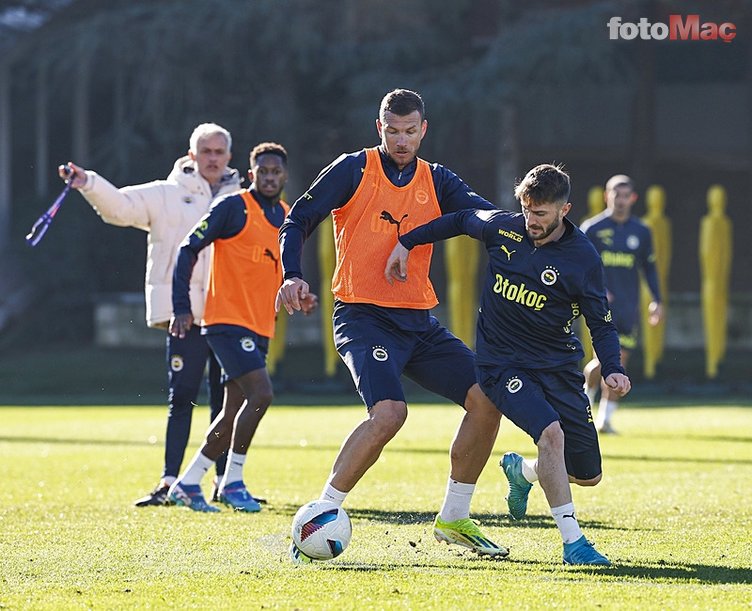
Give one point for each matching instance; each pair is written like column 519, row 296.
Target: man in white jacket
column 167, row 210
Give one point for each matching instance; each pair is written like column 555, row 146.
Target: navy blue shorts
column 238, row 350
column 533, row 399
column 377, row 353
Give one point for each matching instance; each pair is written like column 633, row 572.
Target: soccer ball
column 321, row 530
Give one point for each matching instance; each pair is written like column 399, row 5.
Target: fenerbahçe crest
column 379, row 353
column 549, row 276
column 176, row 362
column 247, row 344
column 514, row 385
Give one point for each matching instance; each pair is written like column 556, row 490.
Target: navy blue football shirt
column 532, row 295
column 626, row 249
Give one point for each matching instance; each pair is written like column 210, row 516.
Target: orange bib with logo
column 366, row 229
column 245, row 274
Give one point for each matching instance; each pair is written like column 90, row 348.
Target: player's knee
column 257, row 390
column 262, row 399
column 552, row 438
column 480, row 406
column 387, row 417
column 181, row 399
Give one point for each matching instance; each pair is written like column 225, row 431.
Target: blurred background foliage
column 118, row 86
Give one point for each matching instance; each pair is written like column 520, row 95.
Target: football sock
column 234, row 469
column 529, row 470
column 196, row 470
column 330, row 493
column 567, row 522
column 606, row 409
column 457, row 501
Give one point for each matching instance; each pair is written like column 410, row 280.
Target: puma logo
column 507, row 252
column 270, row 254
column 569, row 515
column 385, row 216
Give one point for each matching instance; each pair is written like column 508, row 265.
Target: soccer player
column 167, row 210
column 543, row 273
column 238, row 320
column 626, row 248
column 381, row 331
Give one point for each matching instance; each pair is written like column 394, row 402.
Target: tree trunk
column 6, row 172
column 119, row 111
column 508, row 157
column 643, row 136
column 748, row 21
column 80, row 114
column 42, row 148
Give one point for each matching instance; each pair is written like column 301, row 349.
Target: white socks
column 196, row 470
column 457, row 501
column 234, row 469
column 330, row 493
column 606, row 409
column 567, row 522
column 529, row 470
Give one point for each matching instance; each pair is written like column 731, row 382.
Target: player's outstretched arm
column 619, row 383
column 465, row 222
column 294, row 294
column 396, row 264
column 126, row 207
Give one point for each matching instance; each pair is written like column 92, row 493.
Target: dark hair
column 620, row 180
column 402, row 102
column 543, row 184
column 267, row 148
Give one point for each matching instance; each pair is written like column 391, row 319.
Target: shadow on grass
column 426, row 517
column 677, row 459
column 653, row 572
column 694, row 573
column 659, row 571
column 332, row 448
column 158, row 442
column 256, row 446
column 693, row 437
column 83, row 442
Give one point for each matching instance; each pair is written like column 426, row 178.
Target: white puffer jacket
column 167, row 210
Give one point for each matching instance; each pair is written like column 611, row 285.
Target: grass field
column 673, row 513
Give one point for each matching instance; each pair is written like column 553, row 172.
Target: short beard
column 547, row 232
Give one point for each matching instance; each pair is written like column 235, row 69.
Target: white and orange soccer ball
column 321, row 530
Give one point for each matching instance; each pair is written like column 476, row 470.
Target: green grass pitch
column 673, row 513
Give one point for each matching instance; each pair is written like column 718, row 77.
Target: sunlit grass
column 673, row 513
